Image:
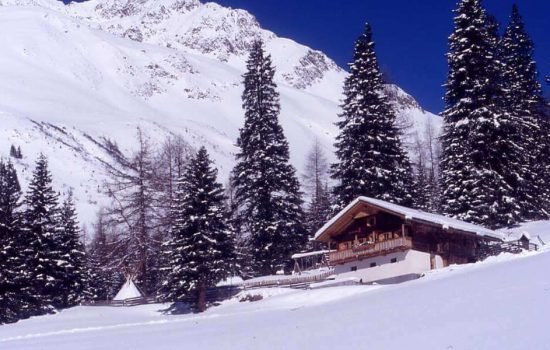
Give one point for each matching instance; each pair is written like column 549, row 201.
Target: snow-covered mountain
column 74, row 79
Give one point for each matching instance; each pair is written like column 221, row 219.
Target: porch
column 367, row 250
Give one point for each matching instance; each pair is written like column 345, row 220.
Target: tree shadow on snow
column 179, row 308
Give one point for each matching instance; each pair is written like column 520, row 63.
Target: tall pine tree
column 42, row 226
column 478, row 154
column 371, row 159
column 522, row 99
column 13, row 304
column 267, row 191
column 201, row 248
column 73, row 282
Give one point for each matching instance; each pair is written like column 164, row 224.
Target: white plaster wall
column 409, row 262
column 439, row 264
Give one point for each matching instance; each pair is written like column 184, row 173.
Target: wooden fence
column 213, row 295
column 296, row 281
column 118, row 303
column 496, row 248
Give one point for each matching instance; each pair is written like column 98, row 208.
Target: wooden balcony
column 368, row 250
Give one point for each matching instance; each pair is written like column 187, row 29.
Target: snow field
column 501, row 303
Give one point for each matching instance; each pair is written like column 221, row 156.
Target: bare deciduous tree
column 315, row 182
column 135, row 208
column 316, row 170
column 169, row 165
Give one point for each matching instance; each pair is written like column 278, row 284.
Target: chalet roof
column 445, row 222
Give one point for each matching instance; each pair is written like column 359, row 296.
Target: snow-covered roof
column 415, row 215
column 230, row 281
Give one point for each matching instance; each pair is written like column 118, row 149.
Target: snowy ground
column 502, row 303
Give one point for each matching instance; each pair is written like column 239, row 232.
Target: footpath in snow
column 502, row 303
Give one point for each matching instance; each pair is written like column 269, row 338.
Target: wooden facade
column 366, row 230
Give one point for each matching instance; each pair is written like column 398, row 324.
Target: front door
column 432, row 262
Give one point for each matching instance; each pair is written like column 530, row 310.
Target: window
column 353, row 268
column 393, row 260
column 372, row 264
column 371, row 221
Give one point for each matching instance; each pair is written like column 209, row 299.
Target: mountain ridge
column 71, row 84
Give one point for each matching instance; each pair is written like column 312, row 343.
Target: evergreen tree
column 371, row 159
column 543, row 167
column 318, row 213
column 73, row 282
column 201, row 244
column 13, row 303
column 42, row 226
column 13, row 151
column 478, row 153
column 241, row 264
column 522, row 99
column 267, row 191
column 157, row 261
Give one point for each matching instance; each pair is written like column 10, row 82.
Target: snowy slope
column 502, row 303
column 76, row 77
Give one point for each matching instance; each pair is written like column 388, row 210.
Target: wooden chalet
column 379, row 241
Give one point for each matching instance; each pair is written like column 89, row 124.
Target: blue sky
column 411, row 35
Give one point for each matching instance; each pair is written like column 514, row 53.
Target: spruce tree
column 201, row 245
column 543, row 167
column 12, row 282
column 267, row 191
column 522, row 99
column 478, row 154
column 371, row 159
column 71, row 250
column 13, row 151
column 42, row 226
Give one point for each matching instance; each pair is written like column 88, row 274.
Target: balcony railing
column 367, row 250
